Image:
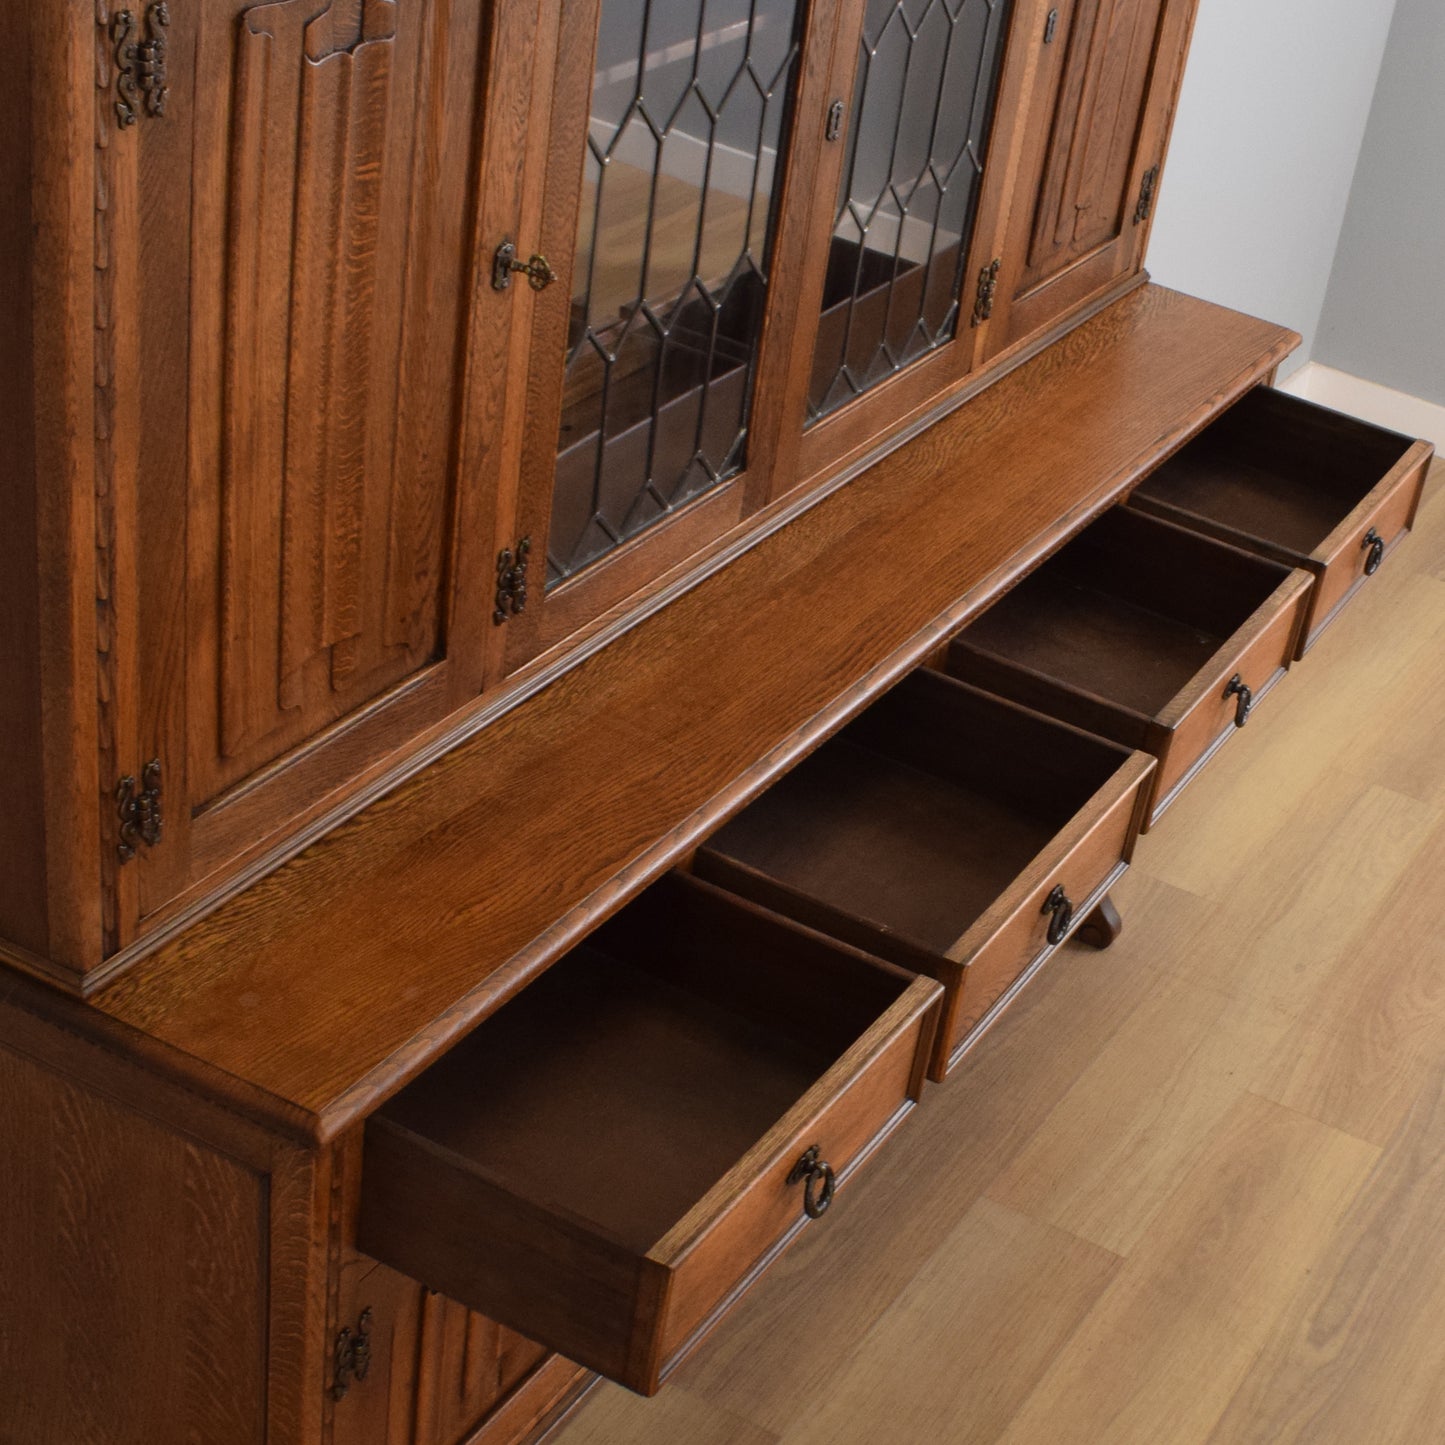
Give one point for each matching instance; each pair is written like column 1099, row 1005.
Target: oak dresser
column 588, row 589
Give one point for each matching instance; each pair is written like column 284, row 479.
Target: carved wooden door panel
column 297, row 554
column 410, row 1367
column 1094, row 141
column 133, row 1294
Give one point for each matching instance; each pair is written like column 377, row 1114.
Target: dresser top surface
column 330, row 983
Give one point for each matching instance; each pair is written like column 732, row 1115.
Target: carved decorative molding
column 302, row 496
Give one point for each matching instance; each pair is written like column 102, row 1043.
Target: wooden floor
column 1191, row 1189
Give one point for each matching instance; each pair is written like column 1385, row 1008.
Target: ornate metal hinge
column 512, row 581
column 352, row 1356
column 141, row 820
column 987, row 290
column 141, row 63
column 505, row 265
column 1145, row 208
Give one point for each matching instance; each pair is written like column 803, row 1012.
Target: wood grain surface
column 332, row 982
column 1190, row 1191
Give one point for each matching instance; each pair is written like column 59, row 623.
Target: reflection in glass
column 923, row 101
column 689, row 108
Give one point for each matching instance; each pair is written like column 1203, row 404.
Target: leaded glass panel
column 688, row 120
column 923, row 101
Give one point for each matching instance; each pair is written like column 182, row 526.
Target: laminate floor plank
column 1029, row 1286
column 1285, row 927
column 1189, row 1191
column 1358, row 1357
column 610, row 1414
column 1360, row 1059
column 1322, row 727
column 1116, row 1146
column 1162, row 1353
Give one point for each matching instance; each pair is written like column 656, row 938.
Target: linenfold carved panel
column 343, row 252
column 1083, row 203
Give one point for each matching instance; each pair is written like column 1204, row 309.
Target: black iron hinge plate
column 138, row 805
column 512, row 581
column 351, row 1356
column 987, row 291
column 1145, row 208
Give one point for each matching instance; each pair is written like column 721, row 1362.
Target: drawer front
column 711, row 1270
column 1205, row 717
column 1010, row 939
column 1347, row 557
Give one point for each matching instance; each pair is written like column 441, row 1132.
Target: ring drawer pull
column 1238, row 688
column 1059, row 904
column 1376, row 544
column 819, row 1182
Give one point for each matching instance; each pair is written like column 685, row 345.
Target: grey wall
column 1271, row 120
column 1384, row 316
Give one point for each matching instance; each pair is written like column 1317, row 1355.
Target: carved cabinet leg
column 1102, row 926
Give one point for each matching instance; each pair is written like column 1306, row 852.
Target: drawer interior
column 921, row 813
column 625, row 1082
column 1277, row 468
column 1130, row 610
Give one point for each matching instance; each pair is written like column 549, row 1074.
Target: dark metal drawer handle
column 819, row 1182
column 1376, row 544
column 1238, row 688
column 1059, row 904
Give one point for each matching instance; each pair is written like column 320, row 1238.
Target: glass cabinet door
column 915, row 190
column 926, row 79
column 666, row 164
column 696, row 151
column 669, row 285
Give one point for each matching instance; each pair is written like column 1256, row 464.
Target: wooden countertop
column 326, row 986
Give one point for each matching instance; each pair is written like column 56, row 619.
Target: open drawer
column 1298, row 483
column 949, row 831
column 607, row 1161
column 1146, row 633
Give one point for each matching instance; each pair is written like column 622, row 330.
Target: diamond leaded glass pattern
column 923, row 101
column 688, row 119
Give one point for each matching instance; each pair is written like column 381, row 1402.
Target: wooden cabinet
column 421, row 352
column 465, row 462
column 418, row 348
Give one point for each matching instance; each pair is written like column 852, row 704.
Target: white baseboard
column 1366, row 399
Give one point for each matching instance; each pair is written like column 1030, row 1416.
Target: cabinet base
column 1102, row 926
